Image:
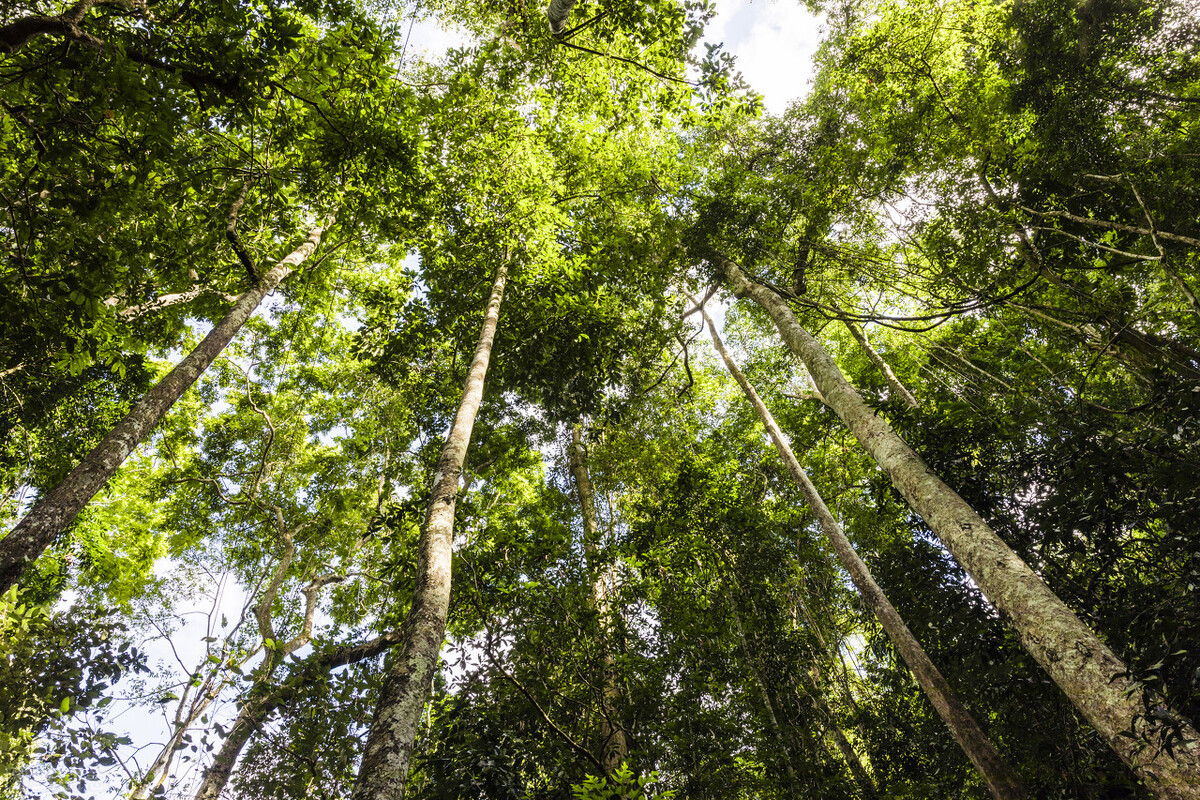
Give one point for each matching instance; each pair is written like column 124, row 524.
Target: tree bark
column 20, row 32
column 557, row 13
column 254, row 713
column 383, row 774
column 613, row 748
column 1095, row 680
column 53, row 513
column 1002, row 781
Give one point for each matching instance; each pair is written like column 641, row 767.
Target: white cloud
column 774, row 43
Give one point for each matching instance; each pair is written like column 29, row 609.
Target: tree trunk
column 61, row 505
column 1088, row 672
column 768, row 704
column 18, row 33
column 255, row 711
column 897, row 388
column 613, row 749
column 383, row 774
column 1000, row 778
column 866, row 786
column 557, row 13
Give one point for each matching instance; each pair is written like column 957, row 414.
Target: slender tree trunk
column 1088, row 672
column 613, row 749
column 897, row 388
column 1000, row 778
column 255, row 711
column 768, row 704
column 54, row 512
column 866, row 786
column 157, row 774
column 383, row 774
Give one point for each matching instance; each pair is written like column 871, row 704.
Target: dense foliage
column 987, row 211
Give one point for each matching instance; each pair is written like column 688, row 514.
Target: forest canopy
column 547, row 420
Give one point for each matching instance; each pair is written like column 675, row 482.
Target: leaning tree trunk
column 612, row 738
column 256, row 711
column 1095, row 680
column 897, row 388
column 54, row 512
column 383, row 774
column 1002, row 781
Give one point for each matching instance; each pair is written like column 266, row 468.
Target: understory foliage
column 989, row 207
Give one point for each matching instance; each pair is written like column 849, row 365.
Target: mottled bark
column 897, row 388
column 557, row 13
column 54, row 512
column 165, row 301
column 1085, row 669
column 383, row 774
column 613, row 749
column 1002, row 781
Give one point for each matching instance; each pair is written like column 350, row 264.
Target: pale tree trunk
column 1095, row 680
column 383, row 774
column 264, row 697
column 1000, row 778
column 613, row 749
column 897, row 388
column 54, row 512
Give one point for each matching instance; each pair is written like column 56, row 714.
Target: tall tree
column 385, row 765
column 1083, row 666
column 50, row 516
column 1002, row 781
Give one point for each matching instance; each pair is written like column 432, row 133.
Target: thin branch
column 561, row 733
column 637, row 64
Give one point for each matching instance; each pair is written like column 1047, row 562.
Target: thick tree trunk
column 1088, row 672
column 383, row 774
column 54, row 512
column 20, row 32
column 613, row 749
column 557, row 13
column 1000, row 778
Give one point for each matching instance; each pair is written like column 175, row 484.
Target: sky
column 773, row 42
